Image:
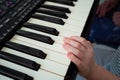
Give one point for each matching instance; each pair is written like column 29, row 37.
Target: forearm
column 101, row 74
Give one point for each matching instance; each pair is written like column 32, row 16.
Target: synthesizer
column 31, row 37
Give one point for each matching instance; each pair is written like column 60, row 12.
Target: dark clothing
column 104, row 31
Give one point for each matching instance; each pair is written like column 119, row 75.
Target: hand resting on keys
column 81, row 53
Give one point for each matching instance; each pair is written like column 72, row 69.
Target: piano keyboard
column 35, row 51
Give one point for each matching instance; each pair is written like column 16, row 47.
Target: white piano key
column 37, row 75
column 79, row 5
column 2, row 77
column 57, row 4
column 58, row 39
column 61, row 5
column 79, row 11
column 48, row 65
column 68, row 28
column 67, row 21
column 70, row 22
column 51, row 55
column 66, row 6
column 54, row 47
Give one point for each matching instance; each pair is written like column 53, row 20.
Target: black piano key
column 66, row 2
column 26, row 49
column 48, row 18
column 19, row 60
column 41, row 28
column 73, row 0
column 57, row 8
column 16, row 75
column 35, row 36
column 53, row 13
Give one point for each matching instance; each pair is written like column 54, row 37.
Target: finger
column 103, row 11
column 73, row 50
column 109, row 8
column 74, row 59
column 116, row 15
column 104, row 8
column 75, row 44
column 98, row 10
column 116, row 18
column 117, row 22
column 112, row 4
column 66, row 39
column 81, row 40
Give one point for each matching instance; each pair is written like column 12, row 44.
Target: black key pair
column 56, row 12
column 38, row 37
column 41, row 28
column 16, row 75
column 66, row 2
column 19, row 60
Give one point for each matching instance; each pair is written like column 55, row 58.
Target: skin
column 105, row 7
column 116, row 18
column 81, row 53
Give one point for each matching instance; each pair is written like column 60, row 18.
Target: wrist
column 92, row 72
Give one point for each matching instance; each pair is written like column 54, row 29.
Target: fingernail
column 66, row 39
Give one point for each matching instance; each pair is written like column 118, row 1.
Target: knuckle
column 77, row 53
column 89, row 43
column 78, row 45
column 83, row 40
